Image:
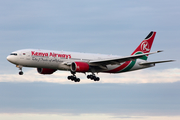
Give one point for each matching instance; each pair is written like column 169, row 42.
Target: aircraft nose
column 8, row 58
column 11, row 59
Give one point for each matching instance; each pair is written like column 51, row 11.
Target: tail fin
column 145, row 45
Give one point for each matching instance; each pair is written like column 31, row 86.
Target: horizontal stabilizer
column 149, row 63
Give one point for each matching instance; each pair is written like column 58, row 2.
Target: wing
column 113, row 61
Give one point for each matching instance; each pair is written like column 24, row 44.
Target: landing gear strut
column 20, row 68
column 73, row 77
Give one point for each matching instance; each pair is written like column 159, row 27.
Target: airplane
column 49, row 61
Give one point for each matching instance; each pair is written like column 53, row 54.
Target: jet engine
column 45, row 71
column 79, row 67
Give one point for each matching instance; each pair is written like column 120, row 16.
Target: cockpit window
column 14, row 54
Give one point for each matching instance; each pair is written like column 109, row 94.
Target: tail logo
column 145, row 47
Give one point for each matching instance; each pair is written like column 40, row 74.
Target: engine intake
column 45, row 71
column 79, row 67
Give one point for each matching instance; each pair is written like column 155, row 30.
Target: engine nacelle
column 79, row 67
column 45, row 71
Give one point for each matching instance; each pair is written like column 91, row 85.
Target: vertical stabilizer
column 145, row 45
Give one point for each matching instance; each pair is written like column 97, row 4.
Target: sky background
column 94, row 26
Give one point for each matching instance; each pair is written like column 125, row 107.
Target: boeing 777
column 49, row 61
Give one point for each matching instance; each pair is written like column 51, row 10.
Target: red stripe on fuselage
column 120, row 67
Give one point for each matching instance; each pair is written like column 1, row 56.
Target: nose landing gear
column 20, row 68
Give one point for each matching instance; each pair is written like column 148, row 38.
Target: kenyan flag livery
column 144, row 47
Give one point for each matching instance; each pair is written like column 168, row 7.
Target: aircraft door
column 28, row 55
column 21, row 55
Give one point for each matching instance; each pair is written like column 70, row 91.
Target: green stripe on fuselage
column 129, row 66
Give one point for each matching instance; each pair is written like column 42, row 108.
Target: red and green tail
column 145, row 45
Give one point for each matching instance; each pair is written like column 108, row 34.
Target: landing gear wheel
column 93, row 77
column 77, row 80
column 69, row 77
column 73, row 78
column 20, row 73
column 88, row 76
column 97, row 79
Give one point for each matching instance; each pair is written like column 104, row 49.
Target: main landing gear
column 73, row 77
column 93, row 77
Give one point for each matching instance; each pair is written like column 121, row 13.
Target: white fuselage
column 60, row 60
